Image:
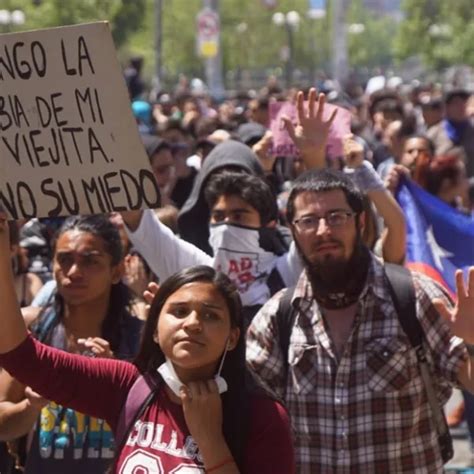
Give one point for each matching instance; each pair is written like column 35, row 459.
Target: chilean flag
column 440, row 239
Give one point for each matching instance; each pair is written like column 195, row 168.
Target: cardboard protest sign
column 282, row 143
column 69, row 143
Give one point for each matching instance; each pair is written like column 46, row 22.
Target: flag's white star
column 437, row 251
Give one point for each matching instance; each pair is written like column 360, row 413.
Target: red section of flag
column 432, row 273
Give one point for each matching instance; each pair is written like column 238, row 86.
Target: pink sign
column 282, row 143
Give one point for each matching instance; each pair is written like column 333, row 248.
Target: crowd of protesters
column 336, row 390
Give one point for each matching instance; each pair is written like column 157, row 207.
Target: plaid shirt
column 366, row 412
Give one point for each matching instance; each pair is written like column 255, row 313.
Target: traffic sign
column 208, row 31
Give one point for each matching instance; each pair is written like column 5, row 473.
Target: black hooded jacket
column 194, row 215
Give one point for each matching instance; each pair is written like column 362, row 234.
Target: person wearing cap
column 432, row 110
column 456, row 130
column 163, row 109
column 251, row 133
column 260, row 140
column 143, row 115
column 206, row 144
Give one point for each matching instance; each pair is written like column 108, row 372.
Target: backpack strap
column 403, row 294
column 275, row 282
column 285, row 317
column 138, row 398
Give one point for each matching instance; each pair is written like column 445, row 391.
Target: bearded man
column 350, row 378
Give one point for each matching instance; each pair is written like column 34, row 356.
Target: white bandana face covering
column 238, row 254
column 167, row 372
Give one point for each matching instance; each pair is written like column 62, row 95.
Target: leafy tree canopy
column 441, row 31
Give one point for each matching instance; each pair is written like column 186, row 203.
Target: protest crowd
column 301, row 300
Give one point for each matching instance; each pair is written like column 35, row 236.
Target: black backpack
column 402, row 292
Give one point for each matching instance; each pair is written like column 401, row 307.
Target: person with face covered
column 244, row 242
column 231, row 155
column 241, row 209
column 350, row 377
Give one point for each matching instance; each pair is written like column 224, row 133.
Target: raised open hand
column 311, row 132
column 461, row 317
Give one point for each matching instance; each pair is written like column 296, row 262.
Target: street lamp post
column 314, row 15
column 241, row 30
column 356, row 28
column 290, row 21
column 158, row 44
column 339, row 43
column 439, row 34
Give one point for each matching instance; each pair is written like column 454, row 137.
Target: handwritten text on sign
column 68, row 140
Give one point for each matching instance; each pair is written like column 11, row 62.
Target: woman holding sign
column 191, row 413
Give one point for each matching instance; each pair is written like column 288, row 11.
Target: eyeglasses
column 336, row 218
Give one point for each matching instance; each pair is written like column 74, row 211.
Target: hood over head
column 195, row 212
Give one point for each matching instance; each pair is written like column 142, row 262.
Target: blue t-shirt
column 66, row 441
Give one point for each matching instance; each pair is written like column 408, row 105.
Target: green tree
column 125, row 16
column 441, row 32
column 250, row 40
column 260, row 44
column 373, row 46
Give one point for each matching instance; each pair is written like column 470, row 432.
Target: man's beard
column 336, row 281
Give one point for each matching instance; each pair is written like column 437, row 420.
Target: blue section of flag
column 437, row 234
